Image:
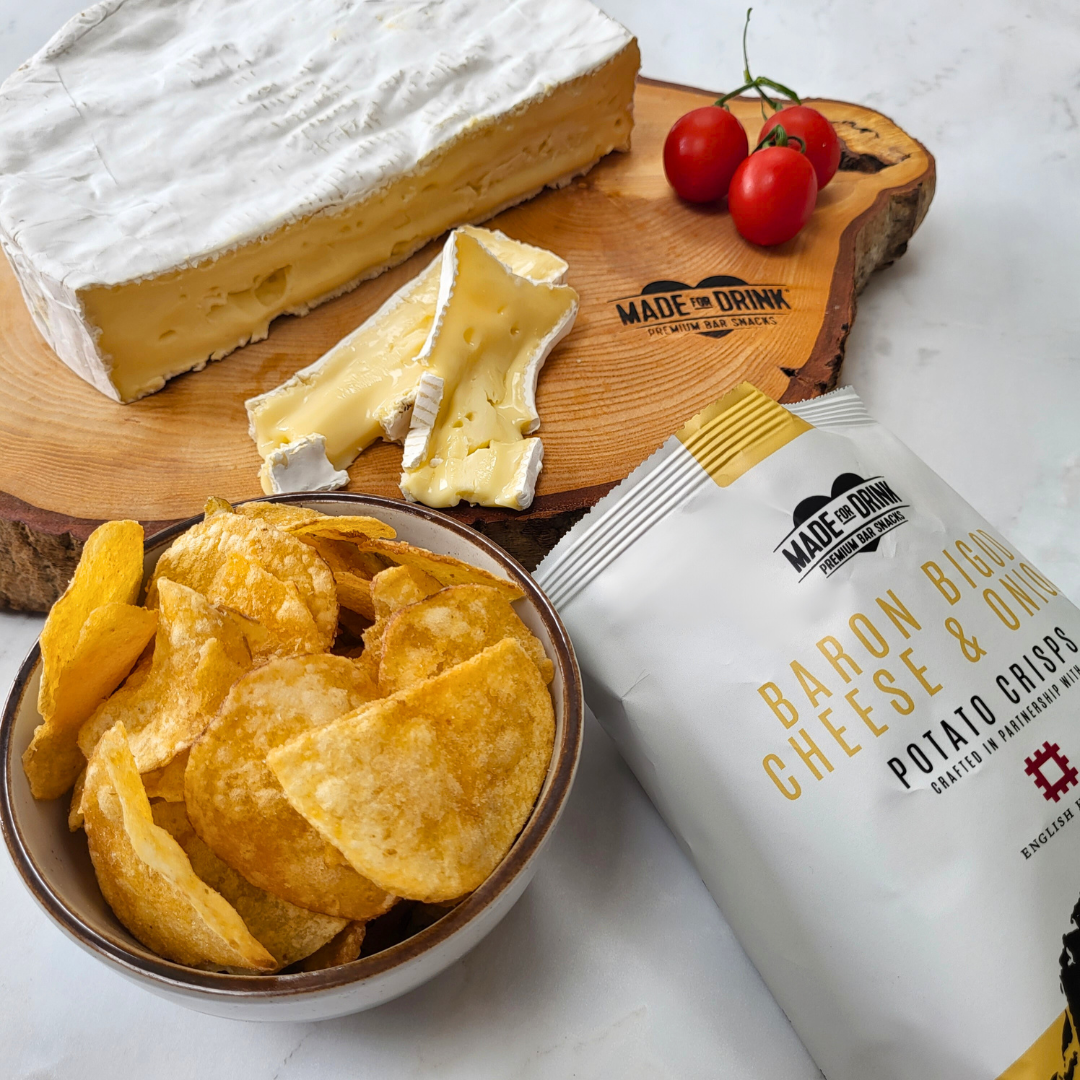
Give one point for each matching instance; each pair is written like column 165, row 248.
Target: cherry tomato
column 772, row 195
column 702, row 151
column 817, row 134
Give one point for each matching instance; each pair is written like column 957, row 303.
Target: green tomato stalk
column 758, row 83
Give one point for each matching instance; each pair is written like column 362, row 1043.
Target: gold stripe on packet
column 737, row 432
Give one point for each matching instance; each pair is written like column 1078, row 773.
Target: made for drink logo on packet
column 828, row 530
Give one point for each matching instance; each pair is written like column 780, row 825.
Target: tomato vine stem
column 758, row 83
column 777, row 136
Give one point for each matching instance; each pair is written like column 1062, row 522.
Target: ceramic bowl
column 56, row 867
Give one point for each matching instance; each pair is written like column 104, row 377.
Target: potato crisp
column 288, row 627
column 91, row 639
column 109, row 643
column 199, row 652
column 354, row 593
column 425, row 791
column 167, row 782
column 444, row 568
column 289, row 933
column 110, row 571
column 392, row 590
column 426, row 638
column 343, row 527
column 343, row 949
column 146, row 877
column 196, row 558
column 236, row 803
column 283, row 515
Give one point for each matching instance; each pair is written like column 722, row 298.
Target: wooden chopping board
column 675, row 309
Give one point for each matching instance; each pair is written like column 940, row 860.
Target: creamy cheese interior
column 366, row 381
column 499, row 474
column 495, row 330
column 153, row 329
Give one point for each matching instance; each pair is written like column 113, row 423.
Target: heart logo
column 813, row 503
column 716, row 281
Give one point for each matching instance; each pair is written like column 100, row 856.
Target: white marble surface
column 616, row 963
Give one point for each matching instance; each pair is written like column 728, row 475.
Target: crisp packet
column 857, row 706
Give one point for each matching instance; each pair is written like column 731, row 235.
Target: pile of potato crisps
column 304, row 723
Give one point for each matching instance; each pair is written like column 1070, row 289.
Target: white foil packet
column 858, row 707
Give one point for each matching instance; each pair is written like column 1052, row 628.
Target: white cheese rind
column 58, row 315
column 430, row 389
column 537, row 361
column 528, row 473
column 396, row 419
column 425, row 413
column 300, row 466
column 238, row 118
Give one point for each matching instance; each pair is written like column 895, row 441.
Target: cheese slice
column 476, row 401
column 300, row 466
column 175, row 176
column 364, row 387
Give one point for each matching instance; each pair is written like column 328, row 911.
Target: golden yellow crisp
column 110, row 571
column 196, row 556
column 167, row 782
column 424, row 792
column 426, row 638
column 312, row 525
column 146, row 877
column 352, row 571
column 343, row 555
column 444, row 568
column 75, row 814
column 259, row 642
column 342, row 950
column 283, row 515
column 111, row 640
column 215, row 504
column 339, row 554
column 398, row 586
column 274, row 605
column 391, row 590
column 287, row 932
column 344, row 527
column 354, row 593
column 199, row 652
column 237, row 806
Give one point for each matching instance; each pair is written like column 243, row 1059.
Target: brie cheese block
column 476, row 401
column 300, row 466
column 173, row 176
column 363, row 388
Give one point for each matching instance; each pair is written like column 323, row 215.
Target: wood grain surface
column 631, row 372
